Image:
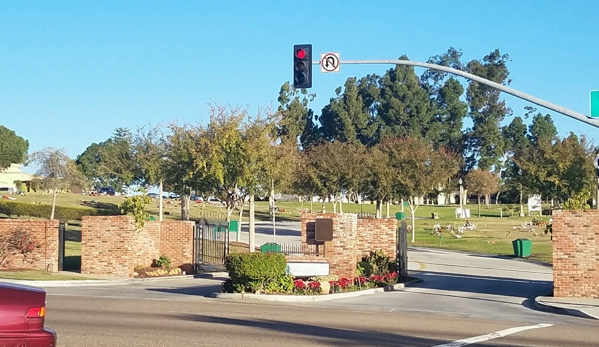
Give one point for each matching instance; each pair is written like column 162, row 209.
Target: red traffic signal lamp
column 302, row 66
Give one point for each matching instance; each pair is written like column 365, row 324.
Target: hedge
column 21, row 209
column 250, row 271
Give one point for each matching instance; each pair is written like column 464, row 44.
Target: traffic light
column 302, row 66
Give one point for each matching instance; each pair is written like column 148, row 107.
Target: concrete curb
column 313, row 298
column 215, row 275
column 539, row 304
column 100, row 282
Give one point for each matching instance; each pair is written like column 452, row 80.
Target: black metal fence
column 293, row 248
column 210, row 243
column 402, row 249
column 62, row 230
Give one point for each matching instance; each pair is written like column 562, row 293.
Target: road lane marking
column 491, row 336
column 422, row 265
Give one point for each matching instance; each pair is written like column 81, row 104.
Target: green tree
column 418, row 168
column 445, row 95
column 405, row 107
column 90, row 164
column 514, row 140
column 481, row 183
column 487, row 111
column 379, row 181
column 13, row 148
column 186, row 157
column 542, row 128
column 296, row 118
column 347, row 118
column 258, row 135
column 57, row 171
column 324, row 161
column 118, row 159
column 148, row 147
column 227, row 153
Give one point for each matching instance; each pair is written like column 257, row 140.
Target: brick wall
column 45, row 232
column 352, row 238
column 576, row 254
column 110, row 245
column 375, row 234
column 176, row 241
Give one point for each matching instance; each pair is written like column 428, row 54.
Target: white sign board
column 534, row 203
column 462, row 212
column 301, row 269
column 329, row 62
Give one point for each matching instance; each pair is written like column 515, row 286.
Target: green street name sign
column 594, row 99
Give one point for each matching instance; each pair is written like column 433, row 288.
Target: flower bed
column 264, row 273
column 318, row 286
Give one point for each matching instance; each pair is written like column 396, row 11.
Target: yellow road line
column 422, row 265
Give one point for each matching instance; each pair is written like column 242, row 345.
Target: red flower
column 299, row 284
column 314, row 285
column 360, row 280
column 344, row 282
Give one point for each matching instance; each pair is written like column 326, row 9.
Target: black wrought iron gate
column 210, row 243
column 61, row 244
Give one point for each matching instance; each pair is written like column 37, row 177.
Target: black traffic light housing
column 302, row 66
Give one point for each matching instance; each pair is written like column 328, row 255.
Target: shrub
column 251, row 271
column 21, row 209
column 17, row 242
column 135, row 206
column 376, row 263
column 163, row 262
column 279, row 284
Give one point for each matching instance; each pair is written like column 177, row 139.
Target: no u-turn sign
column 329, row 62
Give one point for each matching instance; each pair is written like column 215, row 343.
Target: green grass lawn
column 490, row 237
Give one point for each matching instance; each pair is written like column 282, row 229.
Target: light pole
column 597, row 174
column 461, row 198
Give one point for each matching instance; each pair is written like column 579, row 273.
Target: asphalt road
column 463, row 296
column 196, row 321
column 467, row 285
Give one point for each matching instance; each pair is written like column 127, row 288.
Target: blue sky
column 72, row 71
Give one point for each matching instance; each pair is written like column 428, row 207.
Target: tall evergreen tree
column 347, row 118
column 405, row 107
column 487, row 111
column 296, row 118
column 13, row 148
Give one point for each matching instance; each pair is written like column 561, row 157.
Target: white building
column 12, row 174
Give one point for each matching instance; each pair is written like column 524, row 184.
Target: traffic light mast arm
column 570, row 113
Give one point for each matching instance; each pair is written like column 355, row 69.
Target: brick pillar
column 576, row 253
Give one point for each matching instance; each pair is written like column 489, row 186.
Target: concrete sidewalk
column 579, row 307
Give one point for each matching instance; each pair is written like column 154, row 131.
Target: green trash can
column 152, row 218
column 270, row 247
column 233, row 224
column 400, row 215
column 522, row 248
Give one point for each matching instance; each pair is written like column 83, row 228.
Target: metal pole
column 597, row 195
column 461, row 201
column 559, row 109
column 274, row 225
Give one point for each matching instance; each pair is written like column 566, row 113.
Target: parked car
column 153, row 195
column 22, row 316
column 107, row 191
